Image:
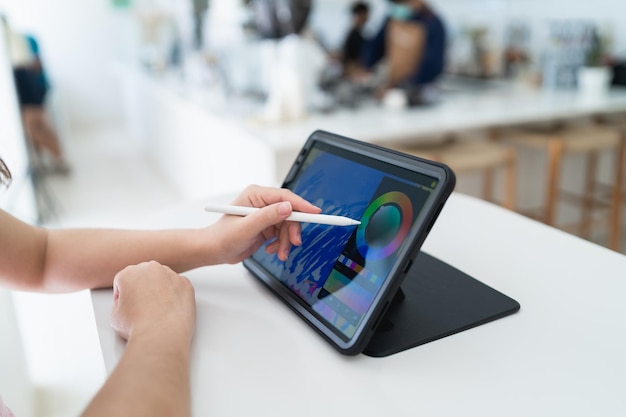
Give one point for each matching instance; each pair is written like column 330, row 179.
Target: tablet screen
column 338, row 272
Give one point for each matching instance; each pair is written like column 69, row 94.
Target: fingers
column 287, row 233
column 266, row 218
column 284, row 245
column 276, row 204
column 298, row 203
column 154, row 298
column 258, row 196
column 272, row 247
column 120, row 325
column 295, row 233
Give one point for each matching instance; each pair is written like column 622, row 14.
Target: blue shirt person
column 433, row 56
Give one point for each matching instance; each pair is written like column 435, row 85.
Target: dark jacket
column 433, row 59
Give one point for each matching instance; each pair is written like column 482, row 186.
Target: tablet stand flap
column 438, row 300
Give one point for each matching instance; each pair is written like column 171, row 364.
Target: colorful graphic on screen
column 339, row 271
column 370, row 253
column 384, row 225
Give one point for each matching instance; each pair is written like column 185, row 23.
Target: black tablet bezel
column 417, row 235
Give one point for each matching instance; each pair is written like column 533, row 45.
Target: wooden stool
column 475, row 155
column 586, row 139
column 617, row 122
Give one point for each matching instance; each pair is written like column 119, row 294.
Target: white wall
column 79, row 39
column 18, row 199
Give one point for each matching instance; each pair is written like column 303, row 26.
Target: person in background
column 154, row 307
column 352, row 53
column 32, row 88
column 413, row 39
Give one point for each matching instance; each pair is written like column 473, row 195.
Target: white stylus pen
column 295, row 216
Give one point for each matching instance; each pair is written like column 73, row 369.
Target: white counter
column 562, row 354
column 207, row 144
column 16, row 387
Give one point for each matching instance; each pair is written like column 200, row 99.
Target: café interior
column 161, row 102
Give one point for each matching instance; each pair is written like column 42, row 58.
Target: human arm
column 154, row 309
column 34, row 258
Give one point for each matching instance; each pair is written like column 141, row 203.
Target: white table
column 563, row 354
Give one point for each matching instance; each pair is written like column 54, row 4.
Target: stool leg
column 492, row 135
column 510, row 193
column 488, row 184
column 555, row 155
column 615, row 224
column 589, row 195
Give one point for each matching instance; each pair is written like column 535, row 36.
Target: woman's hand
column 151, row 299
column 155, row 310
column 236, row 238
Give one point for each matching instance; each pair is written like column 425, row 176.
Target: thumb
column 268, row 216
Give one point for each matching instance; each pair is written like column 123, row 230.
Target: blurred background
column 82, row 41
column 143, row 105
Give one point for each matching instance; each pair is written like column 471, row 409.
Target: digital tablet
column 342, row 279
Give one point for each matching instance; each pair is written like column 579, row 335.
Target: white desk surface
column 563, row 354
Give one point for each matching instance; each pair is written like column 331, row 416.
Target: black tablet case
column 437, row 300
